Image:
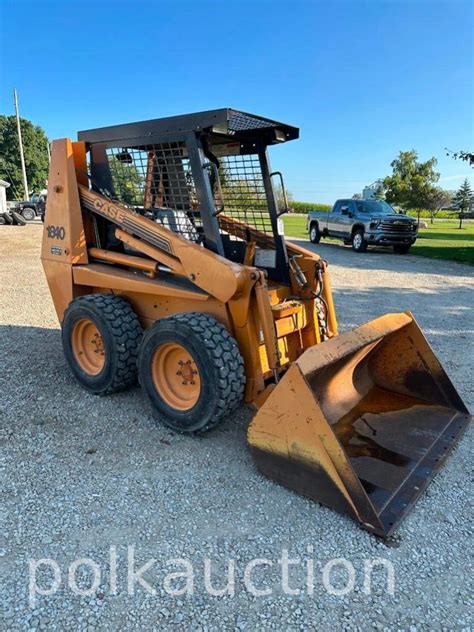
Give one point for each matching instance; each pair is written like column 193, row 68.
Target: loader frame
column 178, row 219
column 256, row 304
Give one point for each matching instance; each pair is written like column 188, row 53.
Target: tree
column 35, row 146
column 467, row 156
column 357, row 196
column 463, row 199
column 127, row 181
column 281, row 200
column 412, row 182
column 438, row 199
column 379, row 193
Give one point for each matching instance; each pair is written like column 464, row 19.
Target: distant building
column 368, row 192
column 3, row 195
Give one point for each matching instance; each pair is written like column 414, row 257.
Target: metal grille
column 158, row 179
column 393, row 227
column 240, row 122
column 245, row 199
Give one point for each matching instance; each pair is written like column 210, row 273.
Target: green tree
column 467, row 156
column 379, row 193
column 437, row 200
column 463, row 199
column 127, row 181
column 35, row 147
column 412, row 182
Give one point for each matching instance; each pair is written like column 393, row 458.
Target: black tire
column 28, row 214
column 7, row 217
column 121, row 335
column 314, row 233
column 18, row 219
column 401, row 249
column 2, row 220
column 218, row 362
column 358, row 242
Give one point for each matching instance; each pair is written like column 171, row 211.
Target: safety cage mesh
column 244, row 196
column 157, row 180
column 241, row 122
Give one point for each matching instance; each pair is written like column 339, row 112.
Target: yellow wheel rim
column 88, row 346
column 176, row 376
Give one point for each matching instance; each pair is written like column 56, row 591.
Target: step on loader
column 166, row 259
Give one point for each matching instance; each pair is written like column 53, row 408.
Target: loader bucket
column 361, row 422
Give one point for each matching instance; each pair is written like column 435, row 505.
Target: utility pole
column 22, row 157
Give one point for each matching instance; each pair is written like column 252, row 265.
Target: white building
column 369, row 191
column 3, row 195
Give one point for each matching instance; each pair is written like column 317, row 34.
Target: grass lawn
column 441, row 240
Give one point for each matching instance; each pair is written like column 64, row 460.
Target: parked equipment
column 166, row 260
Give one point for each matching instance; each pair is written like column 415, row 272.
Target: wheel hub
column 88, row 346
column 176, row 376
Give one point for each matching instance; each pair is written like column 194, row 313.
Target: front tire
column 401, row 249
column 314, row 234
column 101, row 335
column 358, row 241
column 28, row 214
column 192, row 371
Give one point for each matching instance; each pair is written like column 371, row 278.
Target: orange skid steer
column 166, row 259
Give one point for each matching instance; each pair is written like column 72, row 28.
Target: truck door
column 346, row 219
column 333, row 219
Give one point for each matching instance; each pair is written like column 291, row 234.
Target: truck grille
column 395, row 227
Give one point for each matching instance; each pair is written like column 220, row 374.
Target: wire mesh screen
column 241, row 122
column 158, row 179
column 245, row 199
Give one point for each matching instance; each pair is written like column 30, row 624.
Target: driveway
column 83, row 474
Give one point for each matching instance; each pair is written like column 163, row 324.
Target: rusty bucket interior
column 361, row 422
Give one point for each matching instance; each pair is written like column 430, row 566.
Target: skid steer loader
column 166, row 260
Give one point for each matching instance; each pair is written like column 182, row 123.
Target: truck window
column 337, row 207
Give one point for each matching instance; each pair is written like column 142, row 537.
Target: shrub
column 305, row 207
column 426, row 214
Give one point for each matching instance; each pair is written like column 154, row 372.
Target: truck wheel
column 401, row 249
column 28, row 214
column 358, row 242
column 101, row 335
column 192, row 371
column 314, row 234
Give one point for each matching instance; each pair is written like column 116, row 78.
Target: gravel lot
column 82, row 473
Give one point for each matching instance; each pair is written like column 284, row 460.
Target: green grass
column 441, row 240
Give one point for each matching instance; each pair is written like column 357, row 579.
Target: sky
column 362, row 80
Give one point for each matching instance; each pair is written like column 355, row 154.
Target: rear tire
column 358, row 242
column 28, row 214
column 401, row 249
column 314, row 234
column 101, row 335
column 192, row 371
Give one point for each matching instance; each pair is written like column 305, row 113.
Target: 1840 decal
column 56, row 232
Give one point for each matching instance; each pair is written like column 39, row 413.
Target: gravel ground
column 83, row 473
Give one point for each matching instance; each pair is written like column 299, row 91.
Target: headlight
column 374, row 223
